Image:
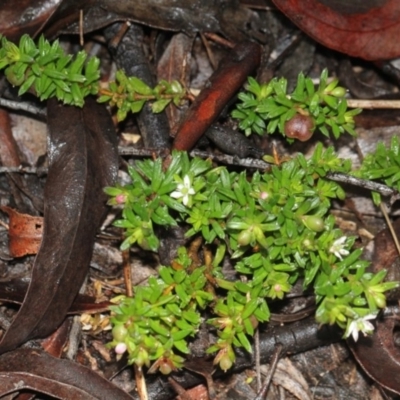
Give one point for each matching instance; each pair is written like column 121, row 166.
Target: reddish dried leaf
column 224, row 83
column 365, row 29
column 83, row 159
column 55, row 343
column 62, row 379
column 24, row 234
column 199, row 392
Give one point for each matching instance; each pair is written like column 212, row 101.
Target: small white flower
column 360, row 325
column 184, row 190
column 338, row 248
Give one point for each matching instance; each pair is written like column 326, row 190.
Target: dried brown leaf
column 82, row 161
column 36, row 370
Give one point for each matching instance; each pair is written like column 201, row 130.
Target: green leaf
column 54, row 74
column 244, row 341
column 181, row 345
column 158, row 328
column 249, row 308
column 104, row 99
column 166, row 276
column 139, row 86
column 136, row 106
column 159, row 105
column 248, row 327
column 26, row 85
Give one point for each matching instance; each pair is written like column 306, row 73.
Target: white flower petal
column 338, row 248
column 354, row 333
column 368, row 327
column 176, row 195
column 340, row 241
column 186, row 181
column 185, row 200
column 184, row 190
column 360, row 325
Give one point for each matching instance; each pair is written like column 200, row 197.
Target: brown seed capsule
column 300, row 127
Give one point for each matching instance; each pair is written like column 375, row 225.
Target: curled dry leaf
column 63, row 379
column 228, row 17
column 25, row 16
column 362, row 29
column 24, row 233
column 82, row 160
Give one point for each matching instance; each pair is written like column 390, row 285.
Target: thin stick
column 140, row 383
column 209, row 52
column 17, row 105
column 381, row 188
column 390, row 225
column 219, row 39
column 223, row 158
column 257, row 358
column 127, row 273
column 24, row 170
column 371, row 104
column 274, row 362
column 81, row 41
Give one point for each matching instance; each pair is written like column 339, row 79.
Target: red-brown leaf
column 24, row 233
column 241, row 61
column 367, row 29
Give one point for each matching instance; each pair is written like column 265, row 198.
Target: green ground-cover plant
column 274, row 226
column 383, row 164
column 268, row 107
column 47, row 71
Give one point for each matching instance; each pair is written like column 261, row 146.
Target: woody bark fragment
column 224, row 83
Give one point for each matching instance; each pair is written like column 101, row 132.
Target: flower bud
column 119, row 333
column 142, row 358
column 300, row 127
column 380, row 300
column 244, row 238
column 338, row 92
column 165, row 368
column 120, row 348
column 225, row 362
column 120, row 198
column 314, row 223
